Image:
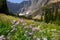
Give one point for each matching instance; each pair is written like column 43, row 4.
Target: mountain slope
column 14, row 7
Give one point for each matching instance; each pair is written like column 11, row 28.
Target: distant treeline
column 52, row 13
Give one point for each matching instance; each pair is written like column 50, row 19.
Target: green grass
column 20, row 33
column 5, row 26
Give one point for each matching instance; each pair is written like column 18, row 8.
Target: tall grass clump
column 5, row 27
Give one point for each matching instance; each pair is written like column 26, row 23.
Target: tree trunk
column 3, row 6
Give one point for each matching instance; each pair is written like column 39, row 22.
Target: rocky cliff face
column 42, row 3
column 35, row 7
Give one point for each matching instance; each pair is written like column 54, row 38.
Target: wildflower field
column 13, row 28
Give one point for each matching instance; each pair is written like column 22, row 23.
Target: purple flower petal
column 30, row 33
column 34, row 29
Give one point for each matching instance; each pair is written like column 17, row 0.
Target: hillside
column 23, row 26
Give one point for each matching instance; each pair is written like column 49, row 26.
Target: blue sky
column 15, row 1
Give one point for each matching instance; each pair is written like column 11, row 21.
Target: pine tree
column 3, row 6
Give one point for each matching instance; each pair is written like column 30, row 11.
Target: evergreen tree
column 3, row 6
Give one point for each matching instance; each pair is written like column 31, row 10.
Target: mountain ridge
column 14, row 7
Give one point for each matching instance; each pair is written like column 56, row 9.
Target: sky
column 15, row 1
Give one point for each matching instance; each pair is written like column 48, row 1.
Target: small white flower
column 17, row 23
column 39, row 26
column 44, row 38
column 24, row 24
column 13, row 21
column 2, row 37
column 38, row 38
column 25, row 35
column 30, row 33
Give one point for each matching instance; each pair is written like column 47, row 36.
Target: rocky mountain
column 34, row 9
column 15, row 7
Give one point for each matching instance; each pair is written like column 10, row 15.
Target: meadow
column 14, row 28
